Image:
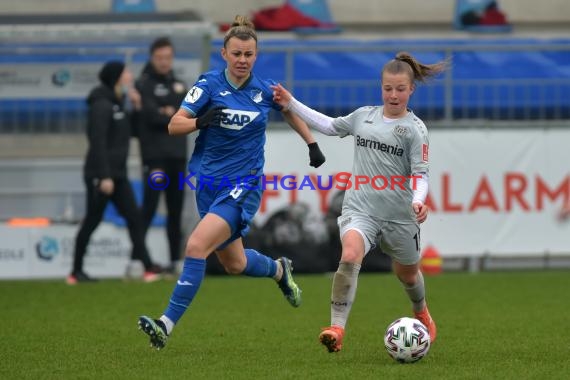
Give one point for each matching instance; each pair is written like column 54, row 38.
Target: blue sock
column 186, row 288
column 259, row 265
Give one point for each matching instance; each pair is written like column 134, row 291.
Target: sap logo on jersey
column 237, row 119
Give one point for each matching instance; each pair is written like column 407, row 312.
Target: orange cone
column 431, row 261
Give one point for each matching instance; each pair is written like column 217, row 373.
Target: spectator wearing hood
column 105, row 167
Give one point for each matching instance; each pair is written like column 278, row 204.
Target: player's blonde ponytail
column 241, row 28
column 405, row 62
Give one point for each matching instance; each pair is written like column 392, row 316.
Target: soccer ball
column 407, row 340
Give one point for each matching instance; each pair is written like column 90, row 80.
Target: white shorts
column 399, row 241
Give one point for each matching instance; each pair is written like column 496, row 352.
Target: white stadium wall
column 491, row 192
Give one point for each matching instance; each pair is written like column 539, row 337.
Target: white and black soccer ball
column 407, row 340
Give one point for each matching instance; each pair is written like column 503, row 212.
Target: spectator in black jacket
column 105, row 167
column 161, row 94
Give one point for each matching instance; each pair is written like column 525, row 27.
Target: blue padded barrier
column 492, row 84
column 489, row 78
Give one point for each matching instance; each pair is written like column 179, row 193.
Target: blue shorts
column 237, row 205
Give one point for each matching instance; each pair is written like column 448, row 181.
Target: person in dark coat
column 162, row 154
column 105, row 167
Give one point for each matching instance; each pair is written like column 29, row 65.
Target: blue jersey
column 235, row 149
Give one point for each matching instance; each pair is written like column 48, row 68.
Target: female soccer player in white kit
column 391, row 144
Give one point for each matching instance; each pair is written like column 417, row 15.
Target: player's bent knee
column 408, row 279
column 350, row 255
column 233, row 269
column 196, row 250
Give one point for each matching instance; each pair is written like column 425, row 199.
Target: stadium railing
column 495, row 81
column 492, row 81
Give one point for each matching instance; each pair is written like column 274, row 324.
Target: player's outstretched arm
column 316, row 157
column 281, row 96
column 314, row 119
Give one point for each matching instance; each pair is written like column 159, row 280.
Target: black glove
column 212, row 117
column 317, row 157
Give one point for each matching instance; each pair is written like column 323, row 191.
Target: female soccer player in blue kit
column 230, row 109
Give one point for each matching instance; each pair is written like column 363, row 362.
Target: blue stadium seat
column 475, row 8
column 133, row 6
column 319, row 10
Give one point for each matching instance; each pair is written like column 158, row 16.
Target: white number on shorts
column 236, row 191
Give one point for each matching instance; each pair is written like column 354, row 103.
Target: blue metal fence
column 506, row 79
column 493, row 80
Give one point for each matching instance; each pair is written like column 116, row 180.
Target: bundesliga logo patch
column 193, row 95
column 425, row 152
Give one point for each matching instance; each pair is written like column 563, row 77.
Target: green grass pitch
column 497, row 325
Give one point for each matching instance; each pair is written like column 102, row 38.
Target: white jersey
column 387, row 153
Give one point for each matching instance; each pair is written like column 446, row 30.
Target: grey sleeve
column 419, row 150
column 345, row 125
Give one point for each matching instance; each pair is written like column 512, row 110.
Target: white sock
column 417, row 293
column 344, row 286
column 167, row 323
column 279, row 271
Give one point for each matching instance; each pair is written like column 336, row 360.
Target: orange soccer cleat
column 425, row 318
column 331, row 337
